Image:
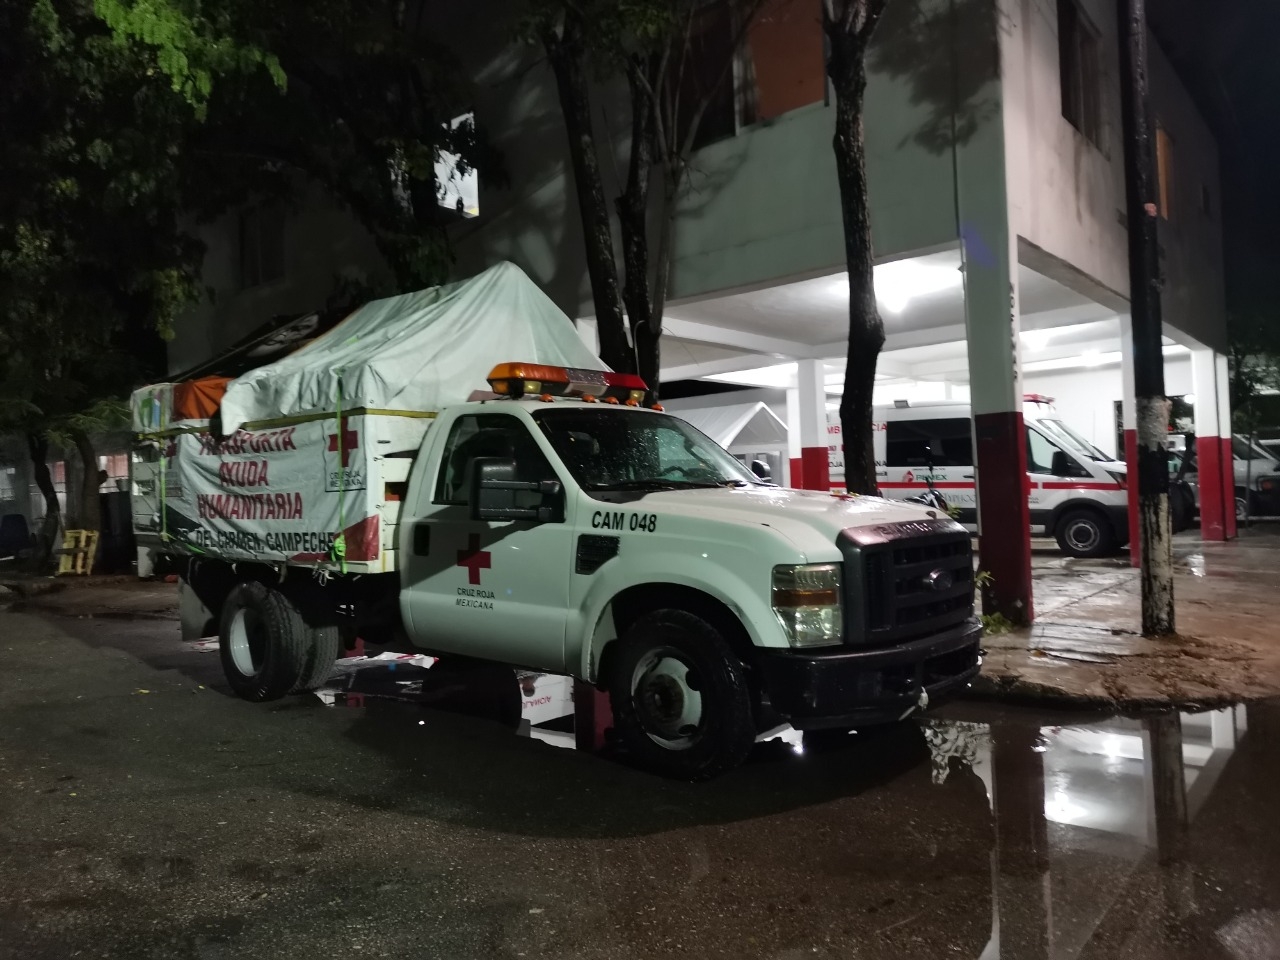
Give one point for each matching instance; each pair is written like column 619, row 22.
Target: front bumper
column 852, row 687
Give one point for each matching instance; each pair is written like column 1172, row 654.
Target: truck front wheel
column 681, row 704
column 267, row 649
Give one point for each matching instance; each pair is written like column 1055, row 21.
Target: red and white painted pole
column 811, row 390
column 1226, row 458
column 1129, row 421
column 1214, row 501
column 985, row 179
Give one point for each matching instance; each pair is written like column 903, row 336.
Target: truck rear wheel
column 681, row 705
column 267, row 649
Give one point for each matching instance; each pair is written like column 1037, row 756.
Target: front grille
column 905, row 581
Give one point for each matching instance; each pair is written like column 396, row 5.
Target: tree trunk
column 47, row 537
column 866, row 330
column 1145, row 281
column 90, row 506
column 566, row 55
column 633, row 211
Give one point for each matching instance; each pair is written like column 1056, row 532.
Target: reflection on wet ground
column 1013, row 834
column 418, row 817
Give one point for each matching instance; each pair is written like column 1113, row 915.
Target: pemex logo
column 909, row 477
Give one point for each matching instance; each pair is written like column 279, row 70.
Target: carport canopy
column 738, row 424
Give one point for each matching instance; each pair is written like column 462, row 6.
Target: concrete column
column 1129, row 419
column 991, row 182
column 795, row 478
column 1213, row 499
column 1226, row 458
column 811, row 393
column 995, row 384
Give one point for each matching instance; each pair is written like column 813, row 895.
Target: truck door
column 493, row 590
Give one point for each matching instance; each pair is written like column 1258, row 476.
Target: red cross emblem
column 350, row 441
column 474, row 559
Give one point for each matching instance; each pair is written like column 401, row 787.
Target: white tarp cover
column 736, row 424
column 419, row 351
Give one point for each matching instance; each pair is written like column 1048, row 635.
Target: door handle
column 968, row 476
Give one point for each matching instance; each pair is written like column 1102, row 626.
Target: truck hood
column 810, row 519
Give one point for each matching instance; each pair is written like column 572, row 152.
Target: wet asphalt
column 144, row 812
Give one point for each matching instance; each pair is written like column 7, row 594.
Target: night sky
column 1228, row 54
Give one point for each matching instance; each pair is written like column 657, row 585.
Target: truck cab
column 575, row 535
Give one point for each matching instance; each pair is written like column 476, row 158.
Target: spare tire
column 267, row 649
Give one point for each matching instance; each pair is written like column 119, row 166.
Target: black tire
column 646, row 690
column 267, row 649
column 1085, row 533
column 1246, row 505
column 326, row 644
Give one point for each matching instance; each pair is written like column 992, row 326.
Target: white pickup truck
column 559, row 526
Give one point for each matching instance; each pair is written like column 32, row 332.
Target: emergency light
column 1036, row 398
column 518, row 380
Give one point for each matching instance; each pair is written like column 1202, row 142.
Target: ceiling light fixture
column 901, row 281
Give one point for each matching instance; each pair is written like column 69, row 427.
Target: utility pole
column 1156, row 535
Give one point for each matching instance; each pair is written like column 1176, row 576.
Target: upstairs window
column 261, row 246
column 1080, row 65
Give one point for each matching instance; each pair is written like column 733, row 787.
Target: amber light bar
column 518, row 380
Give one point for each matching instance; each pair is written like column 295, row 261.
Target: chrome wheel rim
column 1082, row 536
column 245, row 645
column 666, row 691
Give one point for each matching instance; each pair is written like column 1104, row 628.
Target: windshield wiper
column 659, row 483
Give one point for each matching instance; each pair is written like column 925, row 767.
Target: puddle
column 1013, row 835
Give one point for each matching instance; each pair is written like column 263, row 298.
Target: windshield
column 1069, row 438
column 1241, row 449
column 610, row 450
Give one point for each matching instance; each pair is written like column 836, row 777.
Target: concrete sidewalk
column 1085, row 648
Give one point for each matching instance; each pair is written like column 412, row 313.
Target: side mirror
column 495, row 493
column 1063, row 466
column 761, row 469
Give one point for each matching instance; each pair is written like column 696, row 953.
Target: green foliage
column 1254, row 367
column 191, row 43
column 91, row 253
column 995, row 624
column 129, row 122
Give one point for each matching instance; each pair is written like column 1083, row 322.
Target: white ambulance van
column 1076, row 491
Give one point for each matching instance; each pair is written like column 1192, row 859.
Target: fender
column 590, row 626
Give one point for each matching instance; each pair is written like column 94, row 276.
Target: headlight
column 806, row 601
column 1120, row 478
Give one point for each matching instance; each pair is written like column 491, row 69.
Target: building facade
column 995, row 163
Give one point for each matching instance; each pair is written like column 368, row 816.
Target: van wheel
column 267, row 649
column 1246, row 505
column 681, row 705
column 1085, row 533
